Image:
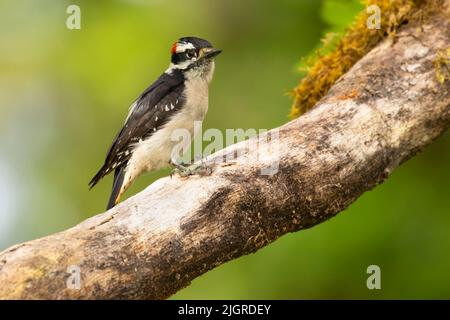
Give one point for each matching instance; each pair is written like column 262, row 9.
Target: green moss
column 325, row 69
column 442, row 65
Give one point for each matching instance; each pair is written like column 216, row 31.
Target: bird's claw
column 200, row 169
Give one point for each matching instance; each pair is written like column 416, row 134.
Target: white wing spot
column 156, row 118
column 171, row 107
column 167, row 107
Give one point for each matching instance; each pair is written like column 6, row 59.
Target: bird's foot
column 201, row 169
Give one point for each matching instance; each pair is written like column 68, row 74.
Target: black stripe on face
column 180, row 57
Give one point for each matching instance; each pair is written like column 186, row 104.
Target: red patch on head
column 174, row 48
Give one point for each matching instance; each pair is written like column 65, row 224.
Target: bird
column 176, row 100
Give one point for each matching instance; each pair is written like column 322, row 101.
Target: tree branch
column 383, row 111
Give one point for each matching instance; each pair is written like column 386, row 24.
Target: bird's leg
column 201, row 169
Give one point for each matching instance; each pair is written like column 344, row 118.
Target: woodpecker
column 177, row 99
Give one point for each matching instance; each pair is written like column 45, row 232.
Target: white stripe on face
column 183, row 65
column 183, row 46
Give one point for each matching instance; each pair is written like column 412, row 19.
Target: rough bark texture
column 383, row 111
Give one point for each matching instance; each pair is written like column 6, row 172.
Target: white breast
column 156, row 151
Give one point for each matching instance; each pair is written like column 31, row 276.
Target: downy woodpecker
column 177, row 99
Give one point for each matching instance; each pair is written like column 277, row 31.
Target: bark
column 383, row 111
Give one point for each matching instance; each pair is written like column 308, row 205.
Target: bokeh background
column 65, row 93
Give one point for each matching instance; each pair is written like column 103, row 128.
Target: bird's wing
column 150, row 111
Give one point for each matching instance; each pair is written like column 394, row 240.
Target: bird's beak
column 209, row 53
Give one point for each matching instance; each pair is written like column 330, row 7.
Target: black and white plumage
column 177, row 99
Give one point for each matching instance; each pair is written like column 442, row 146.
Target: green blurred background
column 65, row 93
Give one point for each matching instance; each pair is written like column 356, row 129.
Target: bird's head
column 191, row 53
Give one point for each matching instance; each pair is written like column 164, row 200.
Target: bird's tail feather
column 119, row 175
column 100, row 174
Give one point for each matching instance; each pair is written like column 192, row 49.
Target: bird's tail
column 119, row 174
column 100, row 174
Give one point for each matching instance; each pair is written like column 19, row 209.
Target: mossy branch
column 324, row 71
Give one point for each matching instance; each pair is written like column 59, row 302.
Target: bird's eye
column 190, row 53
